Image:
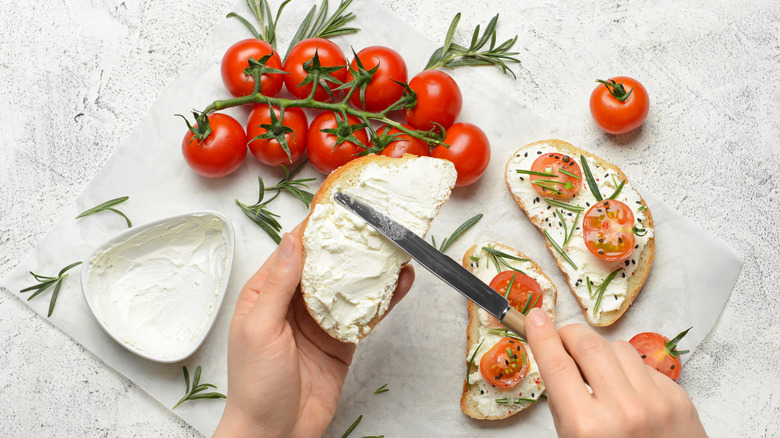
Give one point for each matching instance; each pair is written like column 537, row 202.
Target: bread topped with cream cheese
column 350, row 271
column 600, row 308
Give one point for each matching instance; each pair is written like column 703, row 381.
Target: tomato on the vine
column 506, row 364
column 563, row 177
column 236, row 60
column 439, row 101
column 330, row 150
column 329, row 55
column 469, row 150
column 401, row 143
column 221, row 152
column 607, row 229
column 382, row 91
column 619, row 105
column 658, row 352
column 269, row 150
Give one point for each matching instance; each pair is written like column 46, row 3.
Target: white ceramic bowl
column 156, row 289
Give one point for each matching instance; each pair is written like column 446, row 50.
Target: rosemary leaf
column 500, row 258
column 351, row 428
column 108, row 205
column 531, row 172
column 567, row 173
column 509, row 286
column 382, row 389
column 196, row 391
column 320, row 27
column 506, row 333
column 602, row 288
column 471, row 363
column 457, row 233
column 617, row 190
column 564, row 205
column 45, row 283
column 591, row 181
column 559, row 249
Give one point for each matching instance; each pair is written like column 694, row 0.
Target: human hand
column 284, row 372
column 628, row 399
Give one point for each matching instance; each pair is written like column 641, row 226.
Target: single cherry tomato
column 325, row 154
column 402, row 143
column 268, row 150
column 658, row 352
column 525, row 293
column 439, row 101
column 469, row 150
column 382, row 91
column 505, row 365
column 607, row 228
column 329, row 54
column 221, row 152
column 619, row 105
column 236, row 60
column 559, row 181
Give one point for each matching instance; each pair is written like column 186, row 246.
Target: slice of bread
column 625, row 286
column 350, row 271
column 479, row 397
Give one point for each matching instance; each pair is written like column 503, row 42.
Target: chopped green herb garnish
column 642, row 208
column 603, row 287
column 638, row 231
column 564, row 205
column 474, row 258
column 591, row 181
column 567, row 173
column 471, row 363
column 559, row 249
column 455, row 234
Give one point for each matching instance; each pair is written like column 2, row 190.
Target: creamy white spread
column 588, row 265
column 157, row 290
column 532, row 386
column 351, row 270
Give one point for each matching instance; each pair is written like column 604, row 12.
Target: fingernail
column 537, row 317
column 286, row 246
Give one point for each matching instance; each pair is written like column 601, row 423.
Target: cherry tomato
column 221, row 152
column 524, row 289
column 615, row 116
column 324, row 154
column 505, row 365
column 382, row 91
column 562, row 185
column 607, row 230
column 402, row 143
column 438, row 101
column 236, row 60
column 469, row 150
column 269, row 150
column 329, row 54
column 658, row 352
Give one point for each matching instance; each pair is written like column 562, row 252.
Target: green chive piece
column 591, row 181
column 531, row 172
column 567, row 173
column 617, row 190
column 639, row 231
column 590, row 290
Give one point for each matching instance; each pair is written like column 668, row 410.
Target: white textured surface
column 77, row 77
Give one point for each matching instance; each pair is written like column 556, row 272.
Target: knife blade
column 443, row 267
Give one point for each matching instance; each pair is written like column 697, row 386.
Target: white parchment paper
column 418, row 350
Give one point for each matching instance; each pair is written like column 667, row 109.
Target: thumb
column 281, row 283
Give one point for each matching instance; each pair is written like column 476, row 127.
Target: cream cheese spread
column 351, row 270
column 588, row 265
column 157, row 290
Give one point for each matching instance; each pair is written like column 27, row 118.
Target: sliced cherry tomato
column 269, row 150
column 525, row 290
column 506, row 364
column 236, row 60
column 439, row 101
column 658, row 352
column 469, row 150
column 401, row 143
column 560, row 182
column 221, row 152
column 382, row 91
column 325, row 152
column 619, row 105
column 607, row 230
column 329, row 55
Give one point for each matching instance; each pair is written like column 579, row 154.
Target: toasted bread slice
column 350, row 271
column 480, row 399
column 626, row 284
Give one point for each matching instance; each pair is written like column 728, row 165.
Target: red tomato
column 607, row 230
column 469, row 150
column 615, row 116
column 382, row 91
column 221, row 152
column 505, row 365
column 524, row 289
column 269, row 150
column 324, row 153
column 329, row 54
column 438, row 101
column 560, row 185
column 402, row 143
column 236, row 60
column 658, row 352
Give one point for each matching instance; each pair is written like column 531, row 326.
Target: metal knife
column 447, row 269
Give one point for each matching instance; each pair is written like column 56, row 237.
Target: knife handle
column 514, row 320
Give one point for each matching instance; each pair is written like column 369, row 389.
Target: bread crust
column 644, row 262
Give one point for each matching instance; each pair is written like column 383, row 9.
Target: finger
column 596, row 360
column 633, row 366
column 564, row 384
column 405, row 281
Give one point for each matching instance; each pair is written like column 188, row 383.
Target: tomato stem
column 616, row 89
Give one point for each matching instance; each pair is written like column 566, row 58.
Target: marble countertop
column 78, row 76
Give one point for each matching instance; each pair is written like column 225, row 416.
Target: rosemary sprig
column 196, row 391
column 559, row 249
column 455, row 234
column 108, row 205
column 509, row 286
column 471, row 363
column 563, row 205
column 500, row 258
column 320, row 27
column 532, row 172
column 45, row 282
column 351, row 428
column 382, row 389
column 515, row 401
column 567, row 173
column 617, row 189
column 546, row 185
column 293, row 186
column 528, row 305
column 602, row 287
column 262, row 13
column 453, row 55
column 506, row 333
column 591, row 181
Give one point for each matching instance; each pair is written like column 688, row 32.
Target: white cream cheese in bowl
column 156, row 289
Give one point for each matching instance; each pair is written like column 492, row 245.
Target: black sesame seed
column 601, row 252
column 538, row 152
column 481, row 391
column 637, row 246
column 556, row 157
column 639, row 219
column 522, row 179
column 601, row 240
column 587, row 203
column 628, row 262
column 518, row 349
column 526, row 154
column 511, row 342
column 633, row 262
column 644, row 356
column 639, row 202
column 532, row 395
column 500, row 375
column 624, row 275
column 606, row 175
column 672, row 366
column 569, row 213
column 549, row 207
column 620, row 240
column 506, row 361
column 599, row 210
